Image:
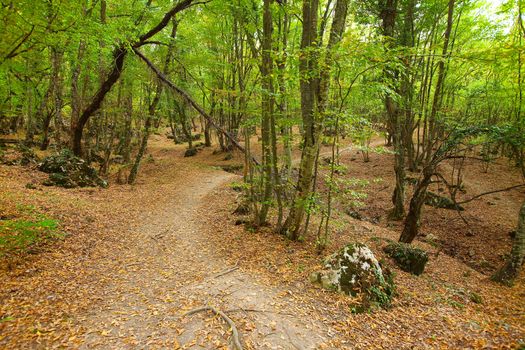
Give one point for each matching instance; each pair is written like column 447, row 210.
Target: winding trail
column 170, row 269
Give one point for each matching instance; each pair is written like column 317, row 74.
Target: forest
column 272, row 174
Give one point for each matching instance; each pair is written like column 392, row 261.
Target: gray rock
column 354, row 270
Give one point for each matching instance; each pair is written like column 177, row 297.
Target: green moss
column 475, row 298
column 407, row 257
column 355, row 271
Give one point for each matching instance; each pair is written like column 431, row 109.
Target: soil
column 489, row 219
column 137, row 258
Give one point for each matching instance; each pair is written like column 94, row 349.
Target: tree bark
column 510, row 271
column 153, row 106
column 78, row 128
column 411, row 227
column 314, row 103
column 309, row 85
column 436, row 102
column 267, row 109
column 118, row 63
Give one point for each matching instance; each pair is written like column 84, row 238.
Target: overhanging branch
column 194, row 104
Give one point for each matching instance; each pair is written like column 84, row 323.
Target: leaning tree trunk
column 78, row 128
column 510, row 271
column 118, row 63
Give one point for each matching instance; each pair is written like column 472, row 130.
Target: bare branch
column 491, row 192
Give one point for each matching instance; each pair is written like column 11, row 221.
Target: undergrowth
column 22, row 234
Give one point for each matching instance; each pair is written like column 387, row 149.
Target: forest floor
column 137, row 258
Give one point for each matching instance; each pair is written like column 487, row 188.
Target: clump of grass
column 20, row 235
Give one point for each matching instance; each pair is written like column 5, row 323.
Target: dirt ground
column 489, row 219
column 137, row 258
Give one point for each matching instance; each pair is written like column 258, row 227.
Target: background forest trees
column 441, row 79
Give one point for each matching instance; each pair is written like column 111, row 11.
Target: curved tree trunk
column 118, row 63
column 411, row 228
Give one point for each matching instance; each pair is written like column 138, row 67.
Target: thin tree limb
column 192, row 102
column 490, row 192
column 13, row 52
column 165, row 20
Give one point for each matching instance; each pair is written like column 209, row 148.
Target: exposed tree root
column 235, row 333
column 227, row 271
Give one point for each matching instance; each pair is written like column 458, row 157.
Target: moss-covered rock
column 190, row 152
column 67, row 170
column 407, row 257
column 355, row 271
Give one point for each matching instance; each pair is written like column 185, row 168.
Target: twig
column 227, row 271
column 235, row 334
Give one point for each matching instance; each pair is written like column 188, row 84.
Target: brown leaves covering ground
column 434, row 310
column 49, row 296
column 490, row 218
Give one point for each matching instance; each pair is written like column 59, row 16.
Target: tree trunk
column 309, row 84
column 153, row 107
column 510, row 271
column 117, row 65
column 436, row 103
column 394, row 116
column 411, row 227
column 78, row 128
column 56, row 60
column 267, row 111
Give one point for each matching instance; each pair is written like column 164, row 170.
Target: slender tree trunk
column 284, row 28
column 76, row 99
column 46, row 120
column 56, row 60
column 153, row 106
column 438, row 91
column 267, row 111
column 510, row 271
column 394, row 116
column 309, row 85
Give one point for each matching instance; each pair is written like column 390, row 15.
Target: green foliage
column 67, row 170
column 475, row 298
column 20, row 235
